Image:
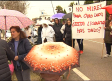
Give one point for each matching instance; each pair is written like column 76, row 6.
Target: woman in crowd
column 21, row 46
column 67, row 33
column 47, row 33
column 108, row 35
column 57, row 27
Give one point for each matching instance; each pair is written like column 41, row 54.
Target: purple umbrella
column 58, row 15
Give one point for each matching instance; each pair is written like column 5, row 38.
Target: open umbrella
column 10, row 18
column 108, row 8
column 58, row 15
column 69, row 15
column 52, row 58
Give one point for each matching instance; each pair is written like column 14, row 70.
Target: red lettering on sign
column 94, row 8
column 80, row 30
column 79, row 9
column 97, row 22
column 98, row 14
column 88, row 16
column 78, row 24
column 94, row 30
column 76, row 15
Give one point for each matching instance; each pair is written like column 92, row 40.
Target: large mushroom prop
column 52, row 57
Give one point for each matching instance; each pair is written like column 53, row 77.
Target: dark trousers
column 80, row 43
column 68, row 42
column 108, row 48
column 23, row 75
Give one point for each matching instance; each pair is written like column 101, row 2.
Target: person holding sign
column 108, row 35
column 67, row 33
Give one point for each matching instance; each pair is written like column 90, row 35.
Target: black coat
column 58, row 34
column 67, row 32
column 5, row 55
column 24, row 47
column 39, row 40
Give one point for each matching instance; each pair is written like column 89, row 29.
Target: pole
column 78, row 2
column 5, row 26
column 5, row 22
column 52, row 7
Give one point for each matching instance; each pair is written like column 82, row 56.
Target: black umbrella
column 69, row 15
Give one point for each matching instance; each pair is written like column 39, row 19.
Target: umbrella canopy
column 58, row 15
column 108, row 8
column 52, row 58
column 10, row 18
column 42, row 21
column 69, row 15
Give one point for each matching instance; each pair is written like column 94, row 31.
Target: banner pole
column 102, row 49
column 103, row 38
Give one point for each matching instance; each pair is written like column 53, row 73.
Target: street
column 92, row 67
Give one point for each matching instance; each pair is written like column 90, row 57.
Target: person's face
column 110, row 17
column 45, row 25
column 69, row 23
column 14, row 33
column 56, row 21
column 67, row 19
column 63, row 23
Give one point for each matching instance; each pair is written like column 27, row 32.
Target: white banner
column 88, row 21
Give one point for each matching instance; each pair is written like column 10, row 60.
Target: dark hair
column 17, row 28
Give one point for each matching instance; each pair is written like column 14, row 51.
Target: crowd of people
column 58, row 32
column 19, row 46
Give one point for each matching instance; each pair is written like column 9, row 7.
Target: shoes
column 81, row 52
column 107, row 55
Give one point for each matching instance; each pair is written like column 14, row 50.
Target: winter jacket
column 5, row 55
column 24, row 47
column 39, row 40
column 67, row 32
column 107, row 38
column 58, row 34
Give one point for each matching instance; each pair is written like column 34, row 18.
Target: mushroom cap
column 52, row 56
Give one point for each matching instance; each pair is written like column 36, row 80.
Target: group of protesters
column 58, row 32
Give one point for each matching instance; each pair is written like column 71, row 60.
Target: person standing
column 57, row 27
column 67, row 33
column 5, row 55
column 20, row 46
column 108, row 36
column 39, row 39
column 47, row 33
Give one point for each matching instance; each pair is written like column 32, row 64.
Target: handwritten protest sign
column 88, row 21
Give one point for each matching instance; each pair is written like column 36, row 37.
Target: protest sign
column 88, row 21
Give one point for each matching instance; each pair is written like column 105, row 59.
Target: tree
column 15, row 5
column 88, row 2
column 59, row 9
column 71, row 5
column 64, row 11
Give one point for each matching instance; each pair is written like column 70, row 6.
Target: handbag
column 11, row 67
column 45, row 40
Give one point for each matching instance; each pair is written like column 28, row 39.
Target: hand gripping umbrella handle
column 69, row 72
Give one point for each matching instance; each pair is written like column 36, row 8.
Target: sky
column 35, row 7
